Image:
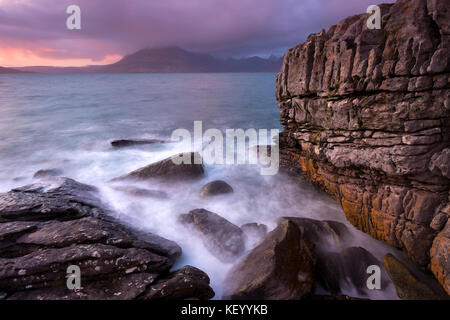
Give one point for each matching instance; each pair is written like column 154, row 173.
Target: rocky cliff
column 366, row 116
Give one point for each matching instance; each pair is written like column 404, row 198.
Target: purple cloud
column 109, row 27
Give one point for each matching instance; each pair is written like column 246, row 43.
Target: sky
column 34, row 32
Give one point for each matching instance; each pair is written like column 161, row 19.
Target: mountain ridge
column 169, row 60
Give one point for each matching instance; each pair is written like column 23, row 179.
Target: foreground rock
column 224, row 239
column 366, row 117
column 48, row 226
column 347, row 270
column 280, row 268
column 407, row 285
column 339, row 267
column 215, row 188
column 177, row 168
column 134, row 142
column 186, row 283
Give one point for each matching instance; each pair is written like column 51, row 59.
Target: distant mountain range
column 10, row 70
column 167, row 60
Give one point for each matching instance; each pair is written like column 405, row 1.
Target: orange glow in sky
column 17, row 57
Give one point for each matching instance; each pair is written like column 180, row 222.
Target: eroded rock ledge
column 367, row 116
column 55, row 223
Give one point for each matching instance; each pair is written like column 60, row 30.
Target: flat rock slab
column 183, row 166
column 126, row 287
column 53, row 224
column 224, row 239
column 281, row 267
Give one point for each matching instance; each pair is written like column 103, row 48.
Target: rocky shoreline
column 58, row 222
column 367, row 117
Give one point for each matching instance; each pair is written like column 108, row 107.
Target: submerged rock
column 224, row 239
column 408, row 286
column 280, row 268
column 347, row 270
column 46, row 173
column 47, row 226
column 215, row 188
column 180, row 167
column 134, row 142
column 324, row 234
column 142, row 193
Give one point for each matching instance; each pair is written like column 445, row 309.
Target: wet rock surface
column 366, row 116
column 215, row 188
column 224, row 239
column 142, row 192
column 122, row 143
column 281, row 267
column 408, row 286
column 53, row 224
column 180, row 167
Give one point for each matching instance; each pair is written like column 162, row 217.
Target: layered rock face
column 367, row 117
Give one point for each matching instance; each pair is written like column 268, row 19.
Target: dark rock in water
column 179, row 167
column 134, row 142
column 143, row 193
column 215, row 188
column 280, row 268
column 324, row 233
column 187, row 282
column 46, row 173
column 48, row 267
column 347, row 270
column 408, row 286
column 125, row 287
column 254, row 232
column 224, row 239
column 47, row 226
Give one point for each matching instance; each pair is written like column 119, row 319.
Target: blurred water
column 67, row 122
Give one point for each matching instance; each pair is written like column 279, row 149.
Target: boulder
column 186, row 283
column 280, row 268
column 324, row 234
column 215, row 188
column 183, row 166
column 408, row 286
column 55, row 223
column 224, row 239
column 347, row 270
column 134, row 142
